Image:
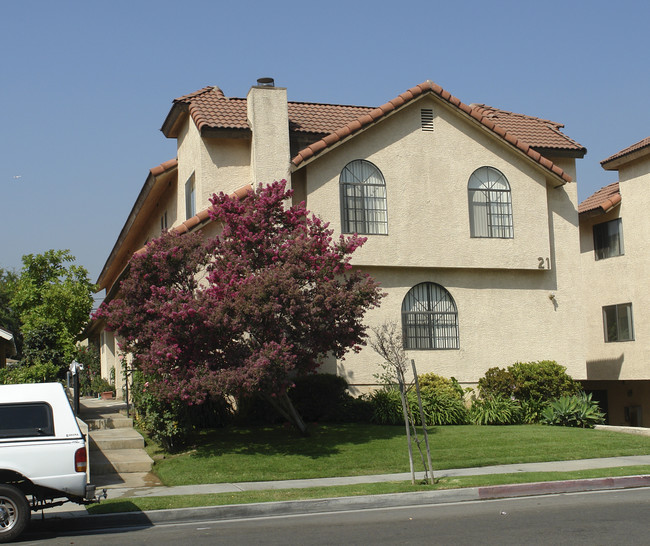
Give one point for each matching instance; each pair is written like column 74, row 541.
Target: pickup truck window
column 25, row 420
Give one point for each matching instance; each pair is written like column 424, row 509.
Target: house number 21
column 544, row 263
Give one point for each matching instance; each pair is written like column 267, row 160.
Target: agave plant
column 573, row 411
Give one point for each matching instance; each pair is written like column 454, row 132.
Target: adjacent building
column 470, row 212
column 614, row 234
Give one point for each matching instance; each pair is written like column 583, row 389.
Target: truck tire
column 14, row 513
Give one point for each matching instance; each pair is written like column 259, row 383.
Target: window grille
column 490, row 204
column 363, row 199
column 429, row 318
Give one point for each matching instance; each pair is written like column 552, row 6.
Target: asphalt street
column 596, row 517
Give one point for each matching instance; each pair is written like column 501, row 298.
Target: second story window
column 363, row 199
column 490, row 204
column 163, row 222
column 617, row 320
column 608, row 239
column 190, row 198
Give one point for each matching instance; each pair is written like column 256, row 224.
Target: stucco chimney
column 268, row 117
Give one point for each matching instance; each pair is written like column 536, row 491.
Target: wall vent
column 426, row 116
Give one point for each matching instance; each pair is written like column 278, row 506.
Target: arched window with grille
column 363, row 199
column 429, row 318
column 490, row 204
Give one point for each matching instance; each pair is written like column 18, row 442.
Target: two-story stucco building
column 470, row 214
column 614, row 234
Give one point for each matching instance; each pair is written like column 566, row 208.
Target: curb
column 284, row 508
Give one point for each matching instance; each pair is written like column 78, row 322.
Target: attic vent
column 426, row 116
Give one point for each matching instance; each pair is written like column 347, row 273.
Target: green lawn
column 278, row 453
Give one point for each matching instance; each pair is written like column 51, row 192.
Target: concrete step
column 126, row 480
column 115, row 438
column 114, row 421
column 119, row 461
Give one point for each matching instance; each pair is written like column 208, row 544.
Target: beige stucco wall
column 426, row 177
column 217, row 164
column 620, row 279
column 502, row 296
column 268, row 117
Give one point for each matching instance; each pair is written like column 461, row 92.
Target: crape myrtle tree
column 246, row 311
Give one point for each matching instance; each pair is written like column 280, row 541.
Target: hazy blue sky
column 85, row 86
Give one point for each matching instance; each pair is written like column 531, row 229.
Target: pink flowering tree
column 247, row 311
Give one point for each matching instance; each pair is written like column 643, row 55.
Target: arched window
column 429, row 318
column 363, row 199
column 490, row 204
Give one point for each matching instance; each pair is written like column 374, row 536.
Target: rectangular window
column 617, row 320
column 608, row 239
column 163, row 222
column 26, row 420
column 190, row 198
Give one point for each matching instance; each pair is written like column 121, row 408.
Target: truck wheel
column 14, row 513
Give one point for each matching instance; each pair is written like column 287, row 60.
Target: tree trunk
column 285, row 407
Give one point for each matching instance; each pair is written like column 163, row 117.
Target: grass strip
column 246, row 497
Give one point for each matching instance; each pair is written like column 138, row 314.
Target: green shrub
column 37, row 373
column 387, row 407
column 172, row 423
column 439, row 385
column 441, row 409
column 541, row 381
column 573, row 411
column 496, row 382
column 531, row 410
column 316, row 397
column 99, row 385
column 495, row 410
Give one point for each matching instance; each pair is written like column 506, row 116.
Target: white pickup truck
column 43, row 454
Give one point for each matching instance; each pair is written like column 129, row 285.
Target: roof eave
column 170, row 127
column 561, row 152
column 160, row 172
column 616, row 163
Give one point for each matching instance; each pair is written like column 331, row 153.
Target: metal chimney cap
column 266, row 82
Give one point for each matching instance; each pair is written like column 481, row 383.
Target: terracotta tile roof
column 327, row 124
column 540, row 133
column 645, row 143
column 429, row 87
column 210, row 108
column 604, row 200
